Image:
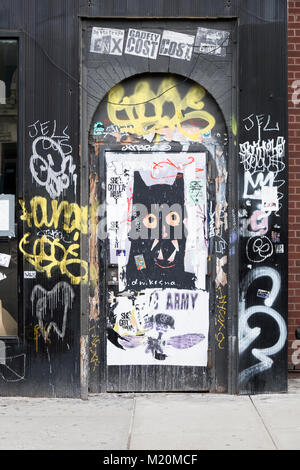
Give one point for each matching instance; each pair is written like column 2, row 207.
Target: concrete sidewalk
column 149, row 421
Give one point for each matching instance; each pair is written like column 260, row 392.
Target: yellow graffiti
column 221, row 309
column 144, row 111
column 234, row 127
column 47, row 254
column 94, row 341
column 74, row 217
column 93, row 225
column 40, row 331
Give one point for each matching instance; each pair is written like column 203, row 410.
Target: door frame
column 89, row 171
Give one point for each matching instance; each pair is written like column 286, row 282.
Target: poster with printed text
column 211, row 41
column 177, row 45
column 157, row 230
column 107, row 41
column 166, row 327
column 142, row 43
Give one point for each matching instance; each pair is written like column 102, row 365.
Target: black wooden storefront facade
column 108, row 93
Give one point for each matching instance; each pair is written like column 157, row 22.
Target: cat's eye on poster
column 150, row 221
column 173, row 219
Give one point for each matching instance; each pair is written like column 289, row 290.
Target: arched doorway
column 159, row 236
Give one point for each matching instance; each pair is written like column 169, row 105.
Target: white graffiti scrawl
column 51, row 163
column 46, row 304
column 12, row 367
column 247, row 335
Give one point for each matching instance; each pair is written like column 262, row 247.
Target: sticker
column 275, row 237
column 107, row 41
column 29, row 274
column 4, row 260
column 279, row 248
column 121, row 252
column 140, row 262
column 177, row 45
column 142, row 43
column 98, row 128
column 122, row 271
column 211, row 41
column 263, row 294
column 196, row 192
column 269, row 198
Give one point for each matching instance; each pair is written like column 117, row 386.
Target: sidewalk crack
column 264, row 424
column 131, row 424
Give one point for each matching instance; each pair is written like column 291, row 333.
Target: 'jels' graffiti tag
column 51, row 163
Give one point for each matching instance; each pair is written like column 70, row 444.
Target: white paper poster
column 177, row 45
column 211, row 41
column 157, row 230
column 269, row 198
column 107, row 41
column 142, row 43
column 4, row 217
column 166, row 327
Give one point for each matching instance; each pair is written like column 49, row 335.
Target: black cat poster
column 156, row 225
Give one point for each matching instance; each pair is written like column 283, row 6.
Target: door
column 155, row 324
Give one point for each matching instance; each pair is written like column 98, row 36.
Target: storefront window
column 8, row 186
